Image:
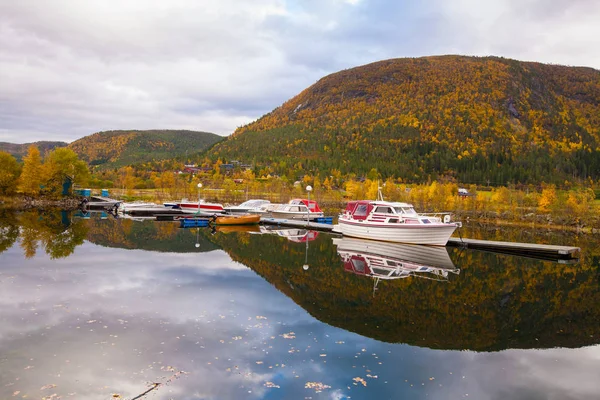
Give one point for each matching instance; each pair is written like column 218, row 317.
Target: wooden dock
column 543, row 251
column 540, row 251
column 297, row 223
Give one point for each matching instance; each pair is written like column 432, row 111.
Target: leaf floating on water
column 360, row 380
column 260, row 317
column 116, row 396
column 50, row 386
column 318, row 386
column 290, row 335
column 272, row 385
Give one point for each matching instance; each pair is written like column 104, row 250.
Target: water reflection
column 389, row 261
column 137, row 303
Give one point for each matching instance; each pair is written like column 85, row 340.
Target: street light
column 199, row 187
column 308, row 189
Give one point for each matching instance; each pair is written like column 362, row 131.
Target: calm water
column 95, row 308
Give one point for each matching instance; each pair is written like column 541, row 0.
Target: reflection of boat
column 250, row 219
column 383, row 260
column 237, row 228
column 254, row 206
column 292, row 234
column 394, row 222
column 298, row 209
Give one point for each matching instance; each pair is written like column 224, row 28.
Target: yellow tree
column 547, row 199
column 60, row 165
column 31, row 176
column 9, row 173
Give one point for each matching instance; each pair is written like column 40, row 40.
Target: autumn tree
column 60, row 165
column 9, row 173
column 31, row 177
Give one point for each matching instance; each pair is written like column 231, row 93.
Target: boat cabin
column 384, row 211
column 311, row 204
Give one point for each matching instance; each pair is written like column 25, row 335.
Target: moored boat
column 298, row 209
column 201, row 207
column 394, row 222
column 250, row 219
column 253, row 206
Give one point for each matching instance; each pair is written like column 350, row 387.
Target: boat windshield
column 405, row 210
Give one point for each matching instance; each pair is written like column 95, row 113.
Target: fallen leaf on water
column 360, row 380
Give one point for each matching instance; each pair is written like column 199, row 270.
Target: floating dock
column 541, row 251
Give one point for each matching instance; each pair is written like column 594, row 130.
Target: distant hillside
column 112, row 149
column 19, row 150
column 476, row 119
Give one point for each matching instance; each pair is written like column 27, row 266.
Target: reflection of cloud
column 108, row 320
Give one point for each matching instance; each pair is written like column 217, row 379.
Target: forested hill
column 112, row 149
column 19, row 150
column 474, row 118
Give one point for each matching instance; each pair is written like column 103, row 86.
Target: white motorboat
column 201, row 207
column 254, row 206
column 395, row 222
column 298, row 209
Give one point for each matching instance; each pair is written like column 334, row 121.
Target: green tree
column 9, row 173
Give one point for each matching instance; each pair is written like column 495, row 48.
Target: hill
column 19, row 150
column 113, row 149
column 477, row 119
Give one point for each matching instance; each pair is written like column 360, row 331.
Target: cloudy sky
column 69, row 68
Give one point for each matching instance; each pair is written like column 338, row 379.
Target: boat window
column 384, row 210
column 393, row 220
column 426, row 221
column 361, row 210
column 359, row 265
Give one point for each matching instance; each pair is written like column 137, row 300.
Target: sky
column 69, row 68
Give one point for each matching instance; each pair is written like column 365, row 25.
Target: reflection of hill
column 497, row 302
column 149, row 235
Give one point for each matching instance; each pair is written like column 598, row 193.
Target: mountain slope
column 19, row 150
column 112, row 149
column 476, row 119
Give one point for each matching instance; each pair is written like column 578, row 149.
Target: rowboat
column 250, row 219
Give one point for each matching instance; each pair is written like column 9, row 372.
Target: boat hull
column 428, row 234
column 238, row 220
column 296, row 215
column 205, row 209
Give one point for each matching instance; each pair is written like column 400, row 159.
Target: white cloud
column 70, row 68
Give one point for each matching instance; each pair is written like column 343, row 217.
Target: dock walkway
column 544, row 251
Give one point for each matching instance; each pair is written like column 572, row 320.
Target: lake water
column 100, row 308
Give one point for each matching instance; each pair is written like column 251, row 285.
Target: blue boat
column 193, row 222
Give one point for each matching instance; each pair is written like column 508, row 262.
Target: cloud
column 71, row 68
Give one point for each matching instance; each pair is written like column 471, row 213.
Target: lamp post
column 199, row 187
column 308, row 190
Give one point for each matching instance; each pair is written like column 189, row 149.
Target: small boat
column 254, row 206
column 298, row 209
column 250, row 219
column 394, row 222
column 201, row 207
